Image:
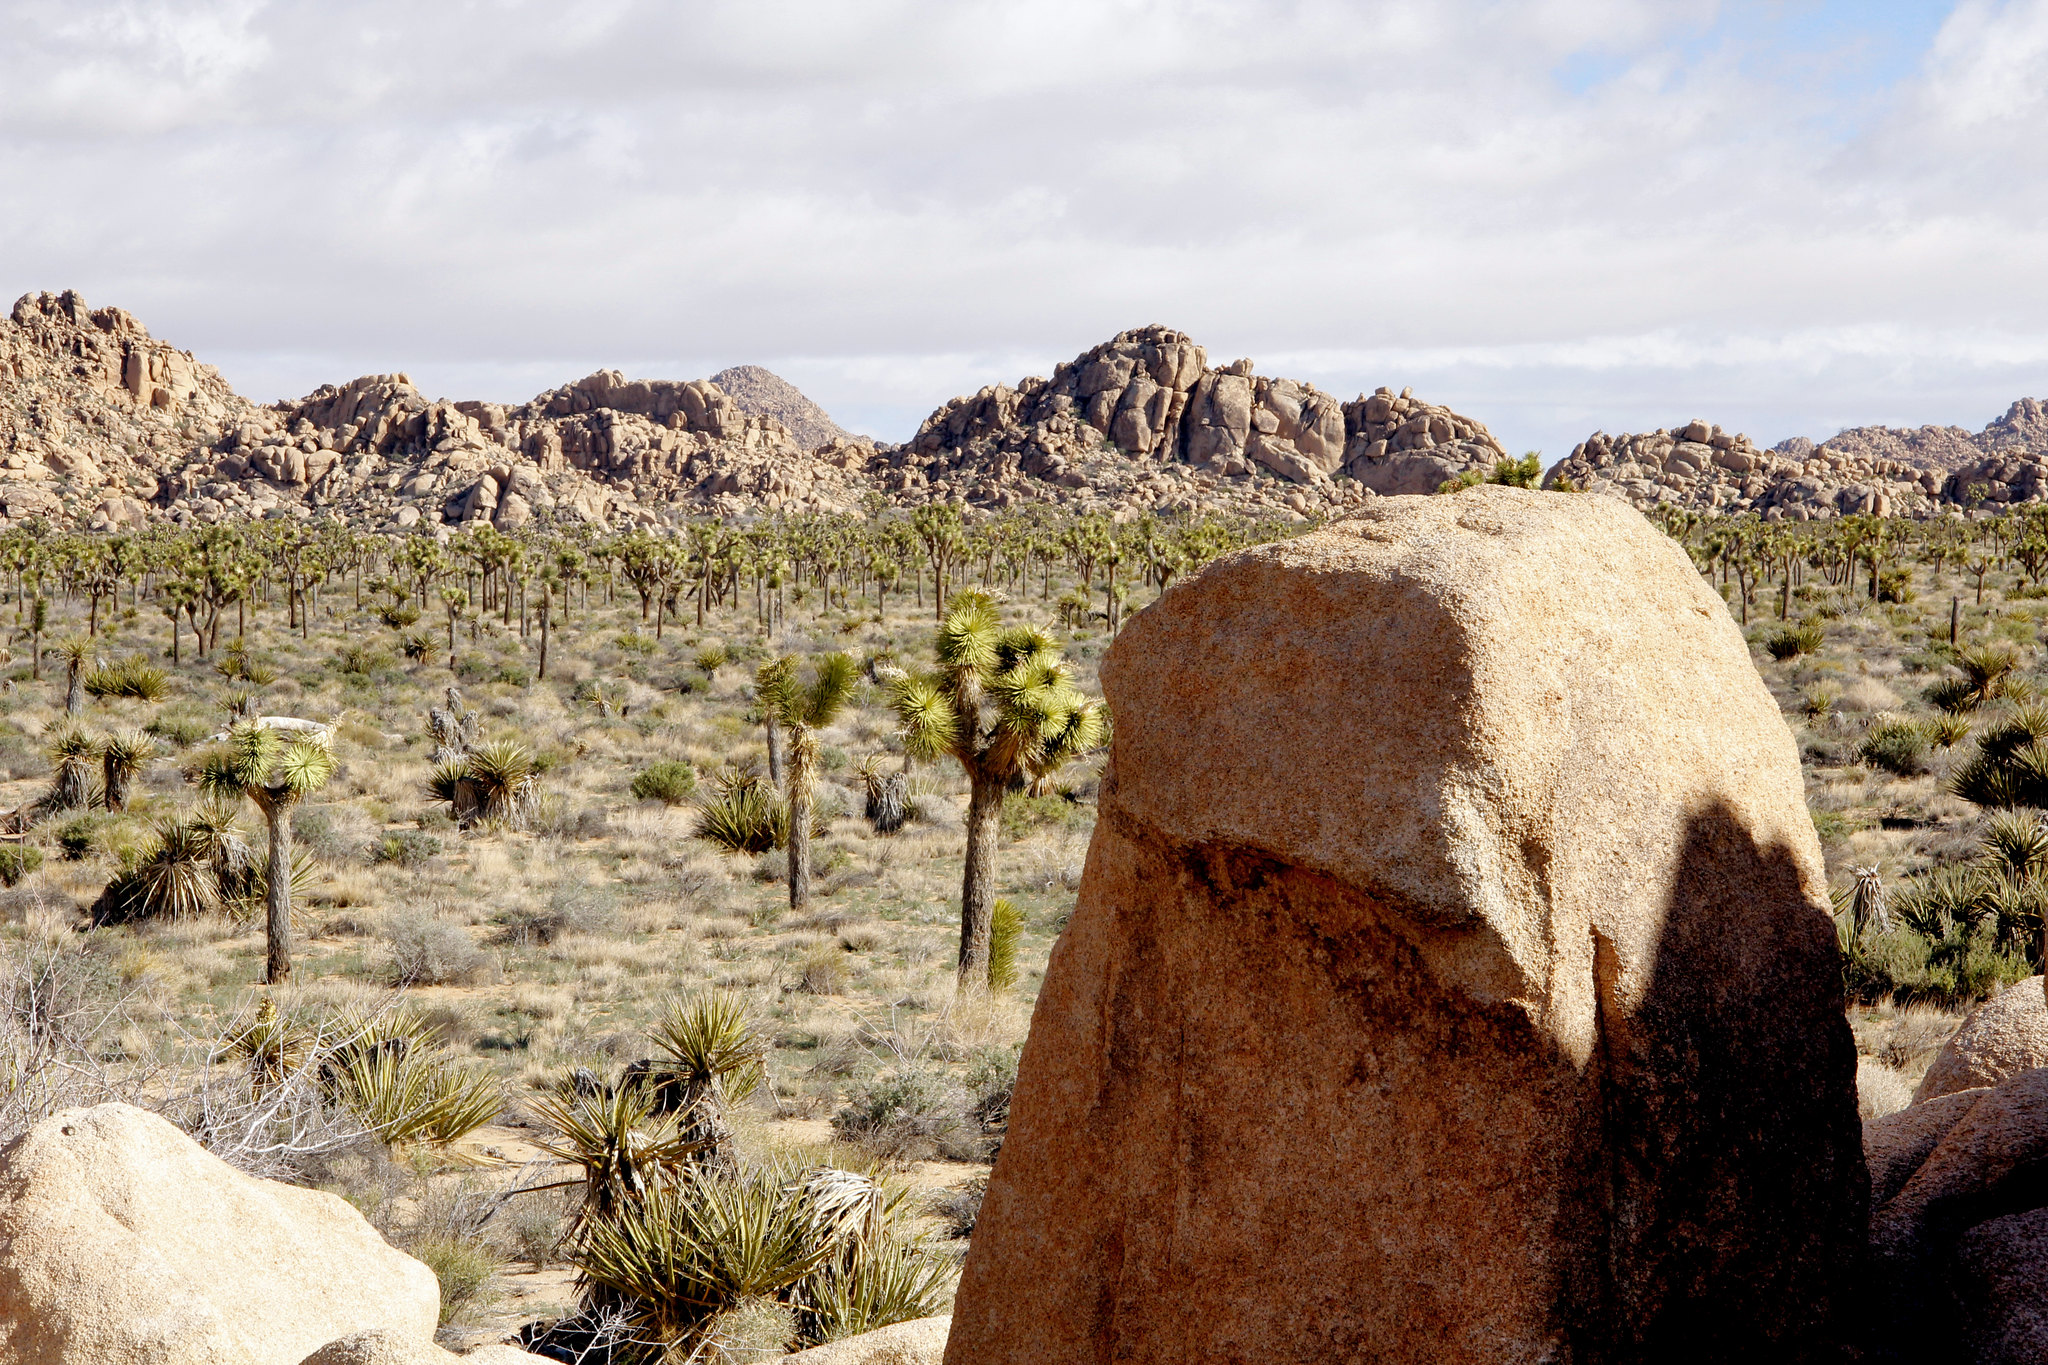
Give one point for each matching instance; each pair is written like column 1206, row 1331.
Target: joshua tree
column 276, row 774
column 803, row 709
column 1000, row 702
column 77, row 652
column 121, row 757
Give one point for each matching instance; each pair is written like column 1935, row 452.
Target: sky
column 1785, row 216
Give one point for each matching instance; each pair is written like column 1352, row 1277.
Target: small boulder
column 921, row 1341
column 121, row 1239
column 2006, row 1034
column 379, row 1346
column 2000, row 1277
column 1896, row 1145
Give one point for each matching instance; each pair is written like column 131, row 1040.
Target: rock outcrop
column 1426, row 971
column 2022, row 432
column 122, row 1240
column 1702, row 468
column 763, row 393
column 381, row 1347
column 2005, row 1035
column 1143, row 420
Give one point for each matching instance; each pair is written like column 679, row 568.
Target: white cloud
column 1562, row 214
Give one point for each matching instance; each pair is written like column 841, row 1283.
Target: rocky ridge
column 763, row 393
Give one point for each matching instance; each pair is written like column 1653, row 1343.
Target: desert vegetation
column 641, row 928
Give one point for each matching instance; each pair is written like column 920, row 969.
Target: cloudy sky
column 1554, row 215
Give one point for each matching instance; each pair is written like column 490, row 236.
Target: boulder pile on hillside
column 1486, row 1009
column 1700, row 467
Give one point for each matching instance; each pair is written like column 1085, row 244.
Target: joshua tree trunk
column 74, row 688
column 774, row 751
column 802, row 769
column 277, row 899
column 545, row 604
column 116, row 775
column 978, row 880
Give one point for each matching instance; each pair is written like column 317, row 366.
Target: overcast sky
column 1554, row 215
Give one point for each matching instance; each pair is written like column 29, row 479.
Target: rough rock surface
column 2023, row 431
column 2006, row 1034
column 1700, row 467
column 1424, row 967
column 2001, row 1281
column 122, row 1240
column 1989, row 1165
column 919, row 1342
column 1899, row 1144
column 382, row 1347
column 763, row 393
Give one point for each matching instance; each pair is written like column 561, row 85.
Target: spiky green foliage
column 2010, row 766
column 1791, row 641
column 625, row 1149
column 889, row 1284
column 134, row 677
column 495, row 783
column 416, row 646
column 711, row 1049
column 741, row 814
column 73, row 753
column 1005, row 930
column 122, row 756
column 403, row 1095
column 175, row 878
column 258, row 762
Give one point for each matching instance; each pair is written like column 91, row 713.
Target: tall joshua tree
column 77, row 651
column 276, row 774
column 803, row 707
column 1001, row 701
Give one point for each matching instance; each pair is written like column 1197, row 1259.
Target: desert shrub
column 960, row 1209
column 405, row 848
column 1791, row 641
column 17, row 861
column 822, row 971
column 417, row 646
column 429, row 951
column 331, row 834
column 668, row 782
column 571, row 910
column 908, row 1114
column 181, row 731
column 1023, row 814
column 134, row 677
column 463, row 1265
column 1897, row 746
column 399, row 618
column 990, row 1081
column 80, row 837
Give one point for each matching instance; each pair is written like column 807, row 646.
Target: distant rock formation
column 1702, row 468
column 1423, row 1020
column 2022, row 433
column 763, row 393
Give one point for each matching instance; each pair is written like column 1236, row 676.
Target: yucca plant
column 1001, row 703
column 273, row 1045
column 887, row 795
column 416, row 646
column 2015, row 843
column 888, row 1284
column 712, row 1057
column 625, row 1149
column 237, row 875
column 494, row 783
column 276, row 775
column 740, row 815
column 404, row 1096
column 134, row 677
column 121, row 758
column 803, row 706
column 710, row 659
column 1790, row 641
column 1946, row 731
column 1005, row 929
column 1865, row 901
column 173, row 880
column 72, row 753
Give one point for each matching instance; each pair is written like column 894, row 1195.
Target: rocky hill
column 101, row 425
column 763, row 393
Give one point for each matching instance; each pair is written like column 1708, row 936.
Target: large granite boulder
column 123, row 1240
column 2006, row 1034
column 1451, row 978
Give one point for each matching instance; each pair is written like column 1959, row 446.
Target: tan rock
column 920, row 1342
column 2004, row 1132
column 382, row 1347
column 1425, row 968
column 122, row 1240
column 1895, row 1146
column 2006, row 1034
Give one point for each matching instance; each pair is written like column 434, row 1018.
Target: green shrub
column 405, row 848
column 429, row 951
column 17, row 861
column 1897, row 746
column 182, row 731
column 463, row 1265
column 910, row 1114
column 669, row 782
column 79, row 838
